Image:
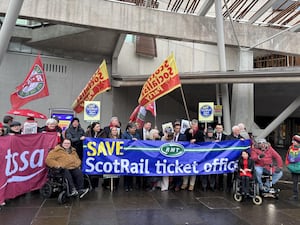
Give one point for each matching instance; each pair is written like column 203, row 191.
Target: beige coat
column 60, row 158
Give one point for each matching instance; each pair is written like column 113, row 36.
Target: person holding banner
column 95, row 131
column 193, row 134
column 52, row 126
column 64, row 156
column 114, row 122
column 130, row 134
column 220, row 136
column 111, row 182
column 208, row 179
column 235, row 135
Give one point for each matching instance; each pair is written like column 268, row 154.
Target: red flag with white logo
column 33, row 87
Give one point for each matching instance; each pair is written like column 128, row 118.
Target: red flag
column 96, row 85
column 138, row 116
column 33, row 87
column 164, row 80
column 152, row 108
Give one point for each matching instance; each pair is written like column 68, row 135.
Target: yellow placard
column 218, row 110
column 206, row 111
column 92, row 111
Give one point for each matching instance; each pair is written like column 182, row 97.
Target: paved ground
column 153, row 208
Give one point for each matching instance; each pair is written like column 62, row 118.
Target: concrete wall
column 63, row 87
column 190, row 57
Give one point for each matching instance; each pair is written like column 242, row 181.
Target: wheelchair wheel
column 62, row 197
column 257, row 200
column 46, row 190
column 237, row 197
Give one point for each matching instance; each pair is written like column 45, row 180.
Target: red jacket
column 267, row 161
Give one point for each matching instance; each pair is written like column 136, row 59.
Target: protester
column 64, row 156
column 292, row 161
column 245, row 170
column 168, row 136
column 1, row 130
column 208, row 179
column 145, row 131
column 7, row 120
column 177, row 180
column 114, row 122
column 243, row 131
column 235, row 135
column 220, row 136
column 264, row 157
column 193, row 135
column 76, row 134
column 15, row 128
column 51, row 126
column 111, row 182
column 130, row 134
column 95, row 131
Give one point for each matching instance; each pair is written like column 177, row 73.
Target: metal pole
column 218, row 100
column 296, row 26
column 279, row 119
column 222, row 65
column 185, row 105
column 8, row 25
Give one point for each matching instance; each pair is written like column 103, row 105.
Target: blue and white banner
column 160, row 158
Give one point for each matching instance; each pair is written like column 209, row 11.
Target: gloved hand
column 277, row 170
column 261, row 156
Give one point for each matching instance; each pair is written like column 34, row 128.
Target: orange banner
column 97, row 84
column 164, row 80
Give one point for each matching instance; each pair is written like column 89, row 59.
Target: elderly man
column 235, row 135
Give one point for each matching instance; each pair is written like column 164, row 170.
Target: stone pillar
column 242, row 105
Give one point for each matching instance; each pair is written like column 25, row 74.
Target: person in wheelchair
column 245, row 170
column 267, row 161
column 64, row 156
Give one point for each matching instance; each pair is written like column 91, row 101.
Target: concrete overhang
column 127, row 18
column 277, row 75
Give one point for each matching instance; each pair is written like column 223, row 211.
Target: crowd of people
column 69, row 152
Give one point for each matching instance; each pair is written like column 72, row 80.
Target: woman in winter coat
column 64, row 157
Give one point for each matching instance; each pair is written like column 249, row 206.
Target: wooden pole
column 184, row 102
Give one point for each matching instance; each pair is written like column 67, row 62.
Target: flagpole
column 184, row 102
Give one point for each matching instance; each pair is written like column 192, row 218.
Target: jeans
column 259, row 171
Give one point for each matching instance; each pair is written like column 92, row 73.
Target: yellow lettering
column 110, row 149
column 101, row 149
column 119, row 147
column 91, row 148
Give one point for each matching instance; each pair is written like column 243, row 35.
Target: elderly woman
column 64, row 156
column 52, row 126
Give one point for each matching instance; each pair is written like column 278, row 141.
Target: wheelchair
column 268, row 191
column 253, row 190
column 57, row 185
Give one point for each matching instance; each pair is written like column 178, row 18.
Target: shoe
column 184, row 186
column 191, row 187
column 83, row 192
column 74, row 192
column 177, row 188
column 2, row 204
